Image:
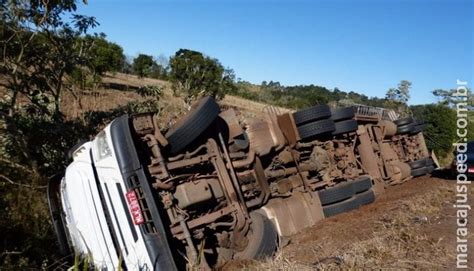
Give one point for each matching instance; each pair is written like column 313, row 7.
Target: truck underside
column 218, row 186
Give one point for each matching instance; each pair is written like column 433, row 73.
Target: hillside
column 117, row 90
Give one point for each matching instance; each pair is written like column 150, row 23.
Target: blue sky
column 362, row 46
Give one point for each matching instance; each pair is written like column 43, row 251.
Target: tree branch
column 8, row 180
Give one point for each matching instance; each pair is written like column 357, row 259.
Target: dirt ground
column 411, row 226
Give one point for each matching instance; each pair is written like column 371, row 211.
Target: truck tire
column 403, row 121
column 417, row 163
column 336, row 194
column 365, row 198
column 316, row 128
column 341, row 207
column 193, row 124
column 421, row 125
column 361, row 184
column 345, row 126
column 342, row 113
column 416, row 129
column 263, row 239
column 429, row 162
column 418, row 171
column 313, row 113
column 405, row 129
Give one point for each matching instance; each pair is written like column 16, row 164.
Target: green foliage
column 146, row 66
column 450, row 98
column 151, row 91
column 40, row 50
column 142, row 65
column 397, row 98
column 470, row 127
column 104, row 56
column 440, row 132
column 33, row 148
column 301, row 96
column 194, row 74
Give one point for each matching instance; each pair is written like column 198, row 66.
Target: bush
column 440, row 132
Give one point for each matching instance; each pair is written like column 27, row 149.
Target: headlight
column 103, row 149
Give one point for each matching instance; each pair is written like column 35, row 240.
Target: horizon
column 361, row 46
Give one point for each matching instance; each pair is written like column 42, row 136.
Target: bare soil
column 411, row 226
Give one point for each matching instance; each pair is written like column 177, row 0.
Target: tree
column 142, row 65
column 440, row 131
column 193, row 74
column 449, row 97
column 397, row 98
column 40, row 50
column 104, row 56
column 401, row 94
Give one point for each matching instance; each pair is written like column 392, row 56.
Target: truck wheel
column 345, row 126
column 341, row 207
column 342, row 113
column 409, row 128
column 417, row 163
column 313, row 113
column 429, row 162
column 336, row 194
column 421, row 125
column 418, row 171
column 196, row 121
column 316, row 128
column 416, row 129
column 263, row 239
column 403, row 121
column 361, row 184
column 365, row 198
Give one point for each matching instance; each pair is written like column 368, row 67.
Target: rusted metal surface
column 288, row 127
column 291, row 215
column 264, row 166
column 271, row 117
column 233, row 125
column 260, row 137
column 369, row 159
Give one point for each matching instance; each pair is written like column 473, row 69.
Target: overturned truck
column 217, row 186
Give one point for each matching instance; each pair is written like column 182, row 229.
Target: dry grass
column 399, row 241
column 73, row 106
column 250, row 108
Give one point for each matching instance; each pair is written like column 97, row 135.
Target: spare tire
column 417, row 163
column 316, row 128
column 193, row 124
column 341, row 207
column 416, row 129
column 313, row 113
column 403, row 121
column 418, row 171
column 365, row 198
column 262, row 237
column 361, row 184
column 342, row 113
column 345, row 126
column 409, row 128
column 335, row 194
column 429, row 161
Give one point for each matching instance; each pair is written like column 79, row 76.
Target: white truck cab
column 100, row 207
